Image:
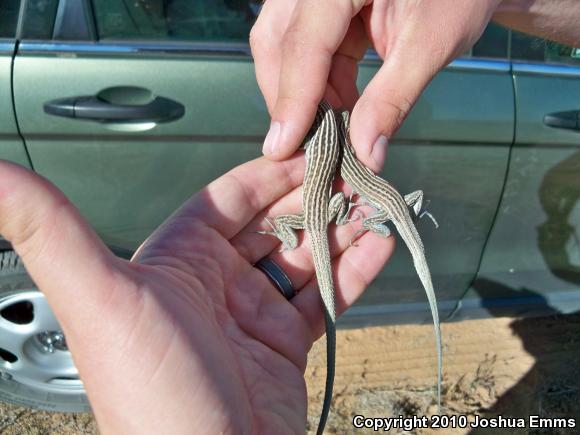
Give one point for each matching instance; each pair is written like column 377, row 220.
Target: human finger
column 416, row 42
column 315, row 32
column 61, row 252
column 265, row 37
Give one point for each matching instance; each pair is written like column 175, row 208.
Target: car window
column 8, row 18
column 530, row 48
column 492, row 44
column 39, row 19
column 560, row 53
column 199, row 20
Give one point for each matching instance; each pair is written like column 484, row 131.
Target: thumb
column 383, row 106
column 315, row 32
column 62, row 254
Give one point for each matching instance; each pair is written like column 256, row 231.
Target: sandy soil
column 493, row 367
column 506, row 367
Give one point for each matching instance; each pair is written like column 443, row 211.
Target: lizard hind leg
column 284, row 229
column 415, row 201
column 376, row 224
column 430, row 216
column 355, row 237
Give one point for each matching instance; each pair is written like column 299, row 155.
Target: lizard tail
column 413, row 241
column 330, row 368
column 322, row 262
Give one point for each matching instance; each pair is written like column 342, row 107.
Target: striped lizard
column 389, row 205
column 323, row 153
column 319, row 209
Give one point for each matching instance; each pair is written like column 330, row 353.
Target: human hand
column 305, row 50
column 188, row 336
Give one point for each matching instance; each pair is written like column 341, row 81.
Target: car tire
column 36, row 368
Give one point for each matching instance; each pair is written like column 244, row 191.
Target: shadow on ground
column 551, row 388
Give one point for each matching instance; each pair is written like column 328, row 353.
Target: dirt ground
column 507, row 367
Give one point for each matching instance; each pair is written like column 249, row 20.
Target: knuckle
column 291, row 41
column 263, row 38
column 266, row 33
column 42, row 229
column 257, row 37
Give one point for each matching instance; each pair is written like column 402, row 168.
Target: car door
column 127, row 175
column 531, row 264
column 454, row 145
column 11, row 145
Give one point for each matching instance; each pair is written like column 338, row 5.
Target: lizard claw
column 356, row 216
column 355, row 237
column 430, row 216
column 270, row 223
column 268, row 233
column 351, row 205
column 272, row 232
column 423, row 212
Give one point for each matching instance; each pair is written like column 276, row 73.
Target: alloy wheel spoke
column 44, row 318
column 12, row 337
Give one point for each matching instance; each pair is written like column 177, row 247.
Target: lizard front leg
column 285, row 226
column 376, row 223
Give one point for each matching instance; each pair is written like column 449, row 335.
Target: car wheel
column 36, row 367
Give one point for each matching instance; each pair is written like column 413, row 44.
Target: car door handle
column 569, row 120
column 93, row 108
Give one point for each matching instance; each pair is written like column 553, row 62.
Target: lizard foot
column 424, row 212
column 355, row 237
column 272, row 232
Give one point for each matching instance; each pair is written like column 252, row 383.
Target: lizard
column 389, row 205
column 318, row 210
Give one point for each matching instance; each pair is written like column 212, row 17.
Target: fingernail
column 379, row 151
column 272, row 140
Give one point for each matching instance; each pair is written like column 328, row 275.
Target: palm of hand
column 199, row 330
column 188, row 336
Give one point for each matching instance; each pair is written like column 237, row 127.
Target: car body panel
column 11, row 145
column 126, row 183
column 126, row 179
column 532, row 258
column 458, row 134
column 503, row 186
